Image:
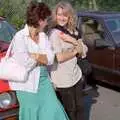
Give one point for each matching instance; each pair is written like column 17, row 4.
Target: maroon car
column 101, row 33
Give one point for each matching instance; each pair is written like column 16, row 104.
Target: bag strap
column 8, row 53
column 61, row 28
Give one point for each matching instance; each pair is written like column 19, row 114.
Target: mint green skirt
column 42, row 105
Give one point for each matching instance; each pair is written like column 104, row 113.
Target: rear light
column 8, row 100
column 5, row 100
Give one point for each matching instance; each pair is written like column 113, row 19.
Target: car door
column 101, row 51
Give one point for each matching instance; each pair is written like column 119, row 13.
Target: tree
column 109, row 5
column 14, row 10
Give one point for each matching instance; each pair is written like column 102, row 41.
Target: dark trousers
column 72, row 100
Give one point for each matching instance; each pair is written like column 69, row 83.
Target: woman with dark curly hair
column 31, row 48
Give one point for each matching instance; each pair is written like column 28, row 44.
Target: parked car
column 101, row 33
column 8, row 100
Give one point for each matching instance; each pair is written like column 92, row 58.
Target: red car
column 8, row 100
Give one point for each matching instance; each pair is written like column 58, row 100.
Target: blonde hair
column 68, row 11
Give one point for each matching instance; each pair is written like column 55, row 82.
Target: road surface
column 103, row 104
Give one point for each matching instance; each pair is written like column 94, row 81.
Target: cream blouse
column 68, row 73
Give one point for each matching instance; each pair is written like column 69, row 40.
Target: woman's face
column 61, row 18
column 42, row 24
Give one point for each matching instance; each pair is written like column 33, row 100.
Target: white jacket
column 22, row 45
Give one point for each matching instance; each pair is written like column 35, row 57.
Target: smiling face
column 61, row 17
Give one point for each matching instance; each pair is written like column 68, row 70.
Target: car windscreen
column 113, row 25
column 7, row 31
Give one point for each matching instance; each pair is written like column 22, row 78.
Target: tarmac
column 102, row 104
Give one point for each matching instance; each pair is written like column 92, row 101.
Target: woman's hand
column 82, row 49
column 34, row 56
column 68, row 38
column 79, row 48
column 40, row 58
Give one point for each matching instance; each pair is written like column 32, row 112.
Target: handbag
column 85, row 66
column 4, row 85
column 11, row 70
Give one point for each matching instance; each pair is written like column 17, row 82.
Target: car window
column 92, row 30
column 114, row 27
column 6, row 31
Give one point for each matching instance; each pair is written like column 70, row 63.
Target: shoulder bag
column 11, row 70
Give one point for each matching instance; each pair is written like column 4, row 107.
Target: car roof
column 99, row 14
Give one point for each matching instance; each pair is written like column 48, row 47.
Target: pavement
column 102, row 104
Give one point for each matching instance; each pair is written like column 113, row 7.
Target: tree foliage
column 14, row 10
column 109, row 5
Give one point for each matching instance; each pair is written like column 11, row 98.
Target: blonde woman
column 66, row 74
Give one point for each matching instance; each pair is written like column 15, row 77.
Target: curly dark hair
column 35, row 12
